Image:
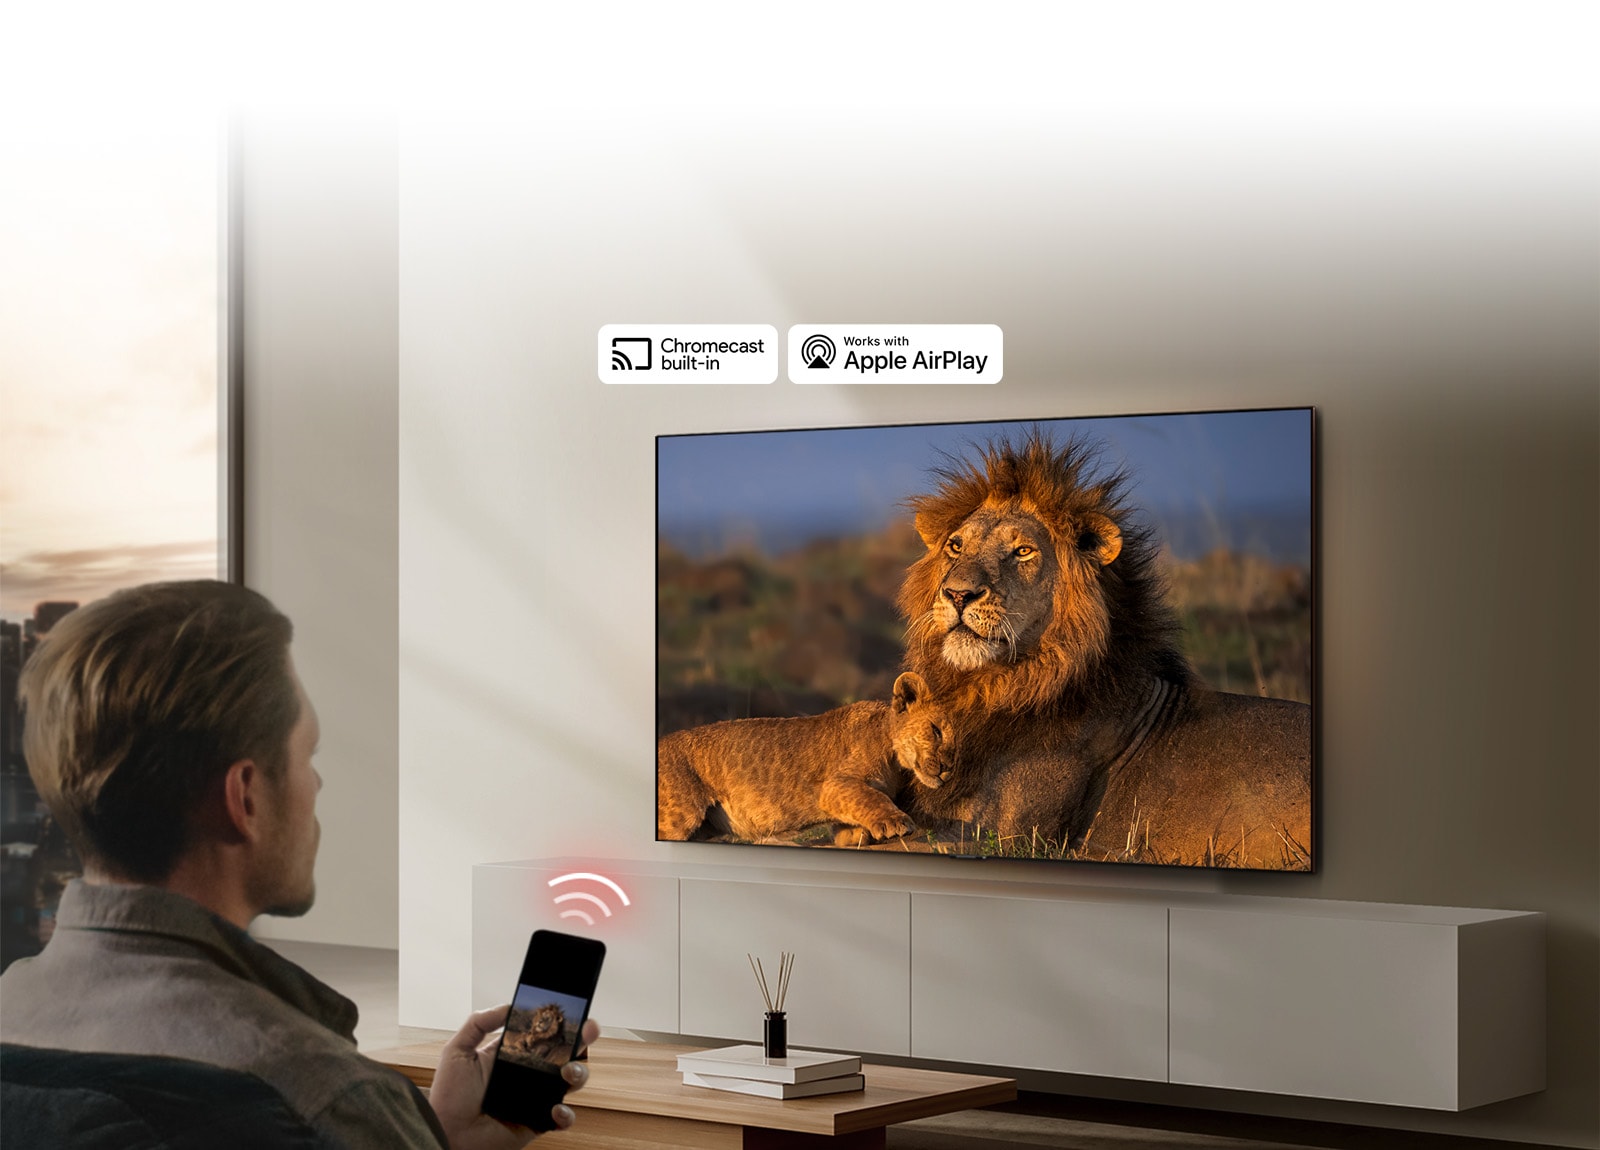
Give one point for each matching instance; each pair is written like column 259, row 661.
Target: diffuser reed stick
column 761, row 978
column 785, row 969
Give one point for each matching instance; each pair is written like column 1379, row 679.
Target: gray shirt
column 139, row 970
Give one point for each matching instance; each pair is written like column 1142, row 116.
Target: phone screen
column 544, row 1029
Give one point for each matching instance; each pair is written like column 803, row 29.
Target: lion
column 537, row 1036
column 1039, row 623
column 772, row 776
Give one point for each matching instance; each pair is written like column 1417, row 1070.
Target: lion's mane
column 1110, row 630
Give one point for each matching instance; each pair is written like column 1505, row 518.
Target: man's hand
column 463, row 1076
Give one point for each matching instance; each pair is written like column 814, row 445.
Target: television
column 1087, row 640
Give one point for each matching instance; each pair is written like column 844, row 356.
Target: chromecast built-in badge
column 688, row 353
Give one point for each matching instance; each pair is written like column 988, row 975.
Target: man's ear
column 242, row 799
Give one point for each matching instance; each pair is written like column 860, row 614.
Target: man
column 168, row 732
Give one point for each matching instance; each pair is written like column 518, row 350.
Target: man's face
column 285, row 880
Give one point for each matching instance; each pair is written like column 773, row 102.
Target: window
column 112, row 412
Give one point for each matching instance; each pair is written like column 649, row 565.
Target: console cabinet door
column 1322, row 1007
column 1433, row 1007
column 850, row 986
column 1074, row 986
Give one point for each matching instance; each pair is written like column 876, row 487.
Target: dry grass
column 1130, row 844
column 1246, row 622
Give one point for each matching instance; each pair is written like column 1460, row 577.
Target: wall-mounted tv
column 1087, row 640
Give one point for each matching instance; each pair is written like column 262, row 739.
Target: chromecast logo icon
column 630, row 354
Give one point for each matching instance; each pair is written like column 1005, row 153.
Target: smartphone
column 544, row 1029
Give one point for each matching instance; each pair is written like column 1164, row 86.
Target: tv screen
column 1085, row 640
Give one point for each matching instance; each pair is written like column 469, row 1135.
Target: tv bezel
column 1313, row 568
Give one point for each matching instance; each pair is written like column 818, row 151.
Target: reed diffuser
column 775, row 1032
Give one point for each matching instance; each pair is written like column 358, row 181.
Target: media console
column 1422, row 1006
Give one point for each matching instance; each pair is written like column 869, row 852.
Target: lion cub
column 777, row 775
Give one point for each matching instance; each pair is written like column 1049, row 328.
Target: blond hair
column 137, row 704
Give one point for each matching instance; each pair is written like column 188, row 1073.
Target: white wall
column 319, row 263
column 1434, row 296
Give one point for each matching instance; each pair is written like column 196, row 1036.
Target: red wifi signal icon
column 588, row 897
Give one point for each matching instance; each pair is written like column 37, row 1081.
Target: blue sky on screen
column 1238, row 477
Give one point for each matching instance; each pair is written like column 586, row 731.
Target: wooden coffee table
column 636, row 1099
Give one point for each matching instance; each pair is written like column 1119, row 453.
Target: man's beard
column 296, row 908
column 285, row 901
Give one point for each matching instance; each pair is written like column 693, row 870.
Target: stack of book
column 747, row 1070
